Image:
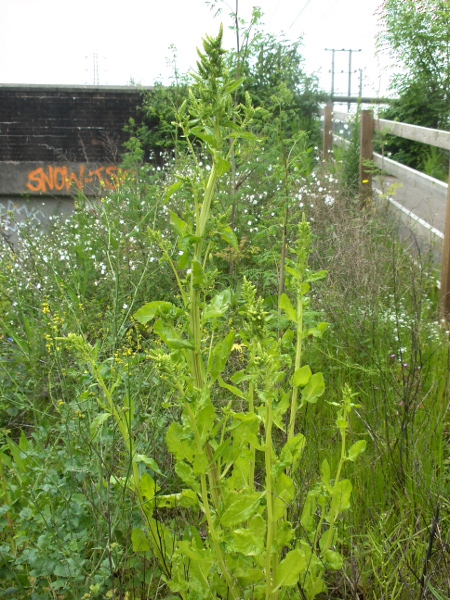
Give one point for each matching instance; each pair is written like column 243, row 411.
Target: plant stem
column 271, row 560
column 298, row 359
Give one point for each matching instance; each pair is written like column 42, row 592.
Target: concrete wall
column 62, row 123
column 56, row 141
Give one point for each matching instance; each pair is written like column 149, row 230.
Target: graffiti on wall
column 12, row 213
column 63, row 178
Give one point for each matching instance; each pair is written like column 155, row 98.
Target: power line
column 298, row 16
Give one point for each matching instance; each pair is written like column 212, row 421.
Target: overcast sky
column 54, row 42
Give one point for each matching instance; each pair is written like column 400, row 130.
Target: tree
column 417, row 35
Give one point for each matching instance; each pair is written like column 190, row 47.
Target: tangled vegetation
column 226, row 379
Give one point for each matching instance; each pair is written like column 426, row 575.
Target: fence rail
column 369, row 126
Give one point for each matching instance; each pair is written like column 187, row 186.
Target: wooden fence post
column 366, row 154
column 445, row 275
column 328, row 131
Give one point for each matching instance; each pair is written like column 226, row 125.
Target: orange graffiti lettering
column 53, row 178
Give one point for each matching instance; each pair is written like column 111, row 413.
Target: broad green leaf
column 186, row 473
column 285, row 535
column 179, row 225
column 286, row 305
column 293, row 272
column 150, row 462
column 200, row 464
column 219, row 356
column 292, row 451
column 314, row 389
column 290, row 568
column 218, row 306
column 198, row 275
column 357, row 449
column 341, row 493
column 140, row 541
column 205, row 135
column 258, row 526
column 228, row 235
column 316, row 276
column 223, row 166
column 284, row 494
column 147, row 486
column 188, row 549
column 169, row 335
column 178, row 344
column 205, row 420
column 317, row 331
column 179, row 443
column 308, row 518
column 231, row 388
column 97, row 423
column 184, row 499
column 173, row 188
column 334, row 560
column 241, row 509
column 151, row 310
column 302, row 376
column 245, row 542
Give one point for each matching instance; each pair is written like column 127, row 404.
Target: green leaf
column 97, row 423
column 223, row 166
column 284, row 494
column 152, row 464
column 179, row 225
column 140, row 541
column 178, row 344
column 198, row 275
column 186, row 473
column 293, row 272
column 228, row 235
column 292, row 451
column 302, row 376
column 205, row 420
column 245, row 542
column 317, row 331
column 241, row 509
column 183, row 499
column 218, row 306
column 152, row 310
column 290, row 568
column 334, row 560
column 286, row 305
column 314, row 389
column 179, row 443
column 231, row 388
column 219, row 356
column 341, row 494
column 147, row 486
column 173, row 188
column 357, row 449
column 200, row 464
column 316, row 276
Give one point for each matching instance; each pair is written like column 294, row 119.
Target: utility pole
column 350, row 52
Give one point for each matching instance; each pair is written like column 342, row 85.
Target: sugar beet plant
column 239, row 385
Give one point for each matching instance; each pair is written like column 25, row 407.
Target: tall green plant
column 236, row 445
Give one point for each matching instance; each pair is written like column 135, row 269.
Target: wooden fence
column 368, row 127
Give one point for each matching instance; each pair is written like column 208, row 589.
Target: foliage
column 418, row 36
column 92, row 502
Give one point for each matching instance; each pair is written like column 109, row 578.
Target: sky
column 116, row 42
